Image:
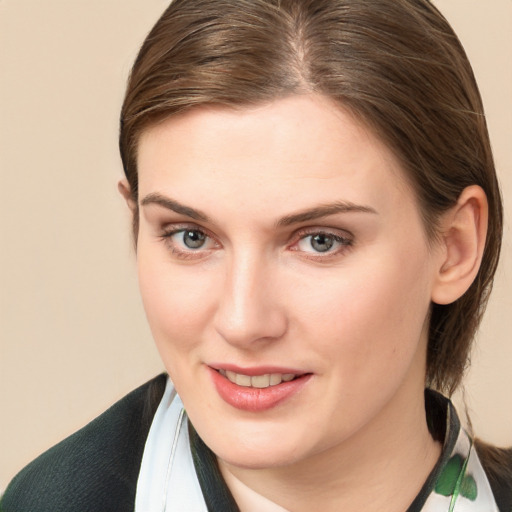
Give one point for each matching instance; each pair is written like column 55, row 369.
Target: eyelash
column 344, row 242
column 185, row 254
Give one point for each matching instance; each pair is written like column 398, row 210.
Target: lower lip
column 256, row 399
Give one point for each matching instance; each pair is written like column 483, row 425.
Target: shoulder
column 497, row 463
column 94, row 469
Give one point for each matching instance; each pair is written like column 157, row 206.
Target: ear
column 124, row 189
column 461, row 246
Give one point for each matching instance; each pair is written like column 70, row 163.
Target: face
column 286, row 277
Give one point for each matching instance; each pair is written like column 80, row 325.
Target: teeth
column 243, row 380
column 257, row 381
column 260, row 381
column 275, row 378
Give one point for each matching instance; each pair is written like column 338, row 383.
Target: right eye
column 188, row 242
column 192, row 238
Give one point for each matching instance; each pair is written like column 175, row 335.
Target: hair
column 394, row 64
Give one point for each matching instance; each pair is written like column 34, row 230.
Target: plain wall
column 72, row 329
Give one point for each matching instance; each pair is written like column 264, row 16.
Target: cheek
column 370, row 314
column 178, row 300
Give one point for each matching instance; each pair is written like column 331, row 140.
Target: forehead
column 295, row 150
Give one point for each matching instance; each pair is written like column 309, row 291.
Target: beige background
column 73, row 334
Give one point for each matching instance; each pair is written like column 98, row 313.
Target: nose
column 250, row 310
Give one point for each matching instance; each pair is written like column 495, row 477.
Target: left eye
column 322, row 243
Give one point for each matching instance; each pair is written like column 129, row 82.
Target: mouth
column 257, row 381
column 263, row 390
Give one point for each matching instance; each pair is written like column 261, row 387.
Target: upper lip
column 256, row 370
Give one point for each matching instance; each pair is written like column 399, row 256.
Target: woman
column 317, row 223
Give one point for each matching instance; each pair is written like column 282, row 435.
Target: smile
column 257, row 381
column 260, row 392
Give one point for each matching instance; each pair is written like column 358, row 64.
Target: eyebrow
column 173, row 205
column 316, row 212
column 324, row 211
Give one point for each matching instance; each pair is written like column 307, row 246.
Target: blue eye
column 322, row 243
column 193, row 238
column 188, row 242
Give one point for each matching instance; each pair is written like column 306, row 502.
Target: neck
column 394, row 451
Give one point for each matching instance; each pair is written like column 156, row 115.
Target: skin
column 258, row 292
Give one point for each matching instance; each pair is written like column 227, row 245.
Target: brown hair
column 395, row 64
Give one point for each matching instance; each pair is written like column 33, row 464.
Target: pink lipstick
column 258, row 388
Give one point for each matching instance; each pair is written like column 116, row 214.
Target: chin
column 258, row 459
column 258, row 449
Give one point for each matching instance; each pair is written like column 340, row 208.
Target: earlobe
column 124, row 189
column 462, row 243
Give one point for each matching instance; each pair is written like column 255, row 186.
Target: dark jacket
column 96, row 469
